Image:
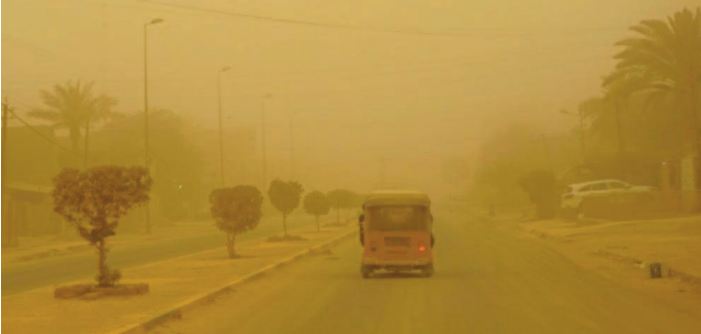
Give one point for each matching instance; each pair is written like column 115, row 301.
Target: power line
column 340, row 26
column 307, row 23
column 39, row 133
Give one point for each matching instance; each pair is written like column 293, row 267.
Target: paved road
column 55, row 270
column 486, row 281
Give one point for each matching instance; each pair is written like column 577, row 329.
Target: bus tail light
column 422, row 248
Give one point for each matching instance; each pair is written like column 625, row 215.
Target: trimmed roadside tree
column 316, row 204
column 285, row 197
column 340, row 199
column 236, row 210
column 93, row 200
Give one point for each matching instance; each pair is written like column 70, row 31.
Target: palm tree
column 663, row 58
column 74, row 106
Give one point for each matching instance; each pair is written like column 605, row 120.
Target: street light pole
column 292, row 162
column 221, row 130
column 263, row 144
column 146, row 124
column 292, row 146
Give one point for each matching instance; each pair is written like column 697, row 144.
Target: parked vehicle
column 574, row 194
column 396, row 233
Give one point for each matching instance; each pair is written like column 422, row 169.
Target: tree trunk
column 621, row 143
column 103, row 272
column 696, row 137
column 318, row 228
column 338, row 215
column 74, row 133
column 230, row 243
column 694, row 121
column 284, row 224
column 87, row 144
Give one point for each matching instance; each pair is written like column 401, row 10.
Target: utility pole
column 8, row 231
column 383, row 166
column 147, row 207
column 221, row 128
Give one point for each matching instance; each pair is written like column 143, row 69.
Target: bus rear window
column 398, row 218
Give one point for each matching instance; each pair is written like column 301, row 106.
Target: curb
column 628, row 260
column 589, row 220
column 670, row 272
column 50, row 252
column 209, row 297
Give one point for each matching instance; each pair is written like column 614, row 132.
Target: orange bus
column 396, row 233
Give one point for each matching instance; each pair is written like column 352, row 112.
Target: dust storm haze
column 500, row 110
column 360, row 96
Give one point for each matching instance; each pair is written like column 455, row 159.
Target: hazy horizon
column 496, row 64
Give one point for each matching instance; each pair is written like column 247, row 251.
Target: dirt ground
column 623, row 251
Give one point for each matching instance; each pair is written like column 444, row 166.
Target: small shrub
column 316, row 204
column 342, row 199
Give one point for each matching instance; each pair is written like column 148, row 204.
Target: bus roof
column 396, row 197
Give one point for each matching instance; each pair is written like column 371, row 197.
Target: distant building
column 29, row 212
column 30, row 162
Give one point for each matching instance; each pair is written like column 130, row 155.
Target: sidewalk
column 624, row 250
column 172, row 282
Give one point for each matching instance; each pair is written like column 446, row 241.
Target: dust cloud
column 500, row 103
column 366, row 102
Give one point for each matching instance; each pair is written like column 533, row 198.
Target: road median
column 176, row 285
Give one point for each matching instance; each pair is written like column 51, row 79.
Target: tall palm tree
column 663, row 58
column 74, row 106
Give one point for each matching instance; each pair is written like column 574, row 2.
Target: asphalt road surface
column 20, row 277
column 487, row 281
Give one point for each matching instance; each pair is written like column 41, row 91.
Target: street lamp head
column 156, row 21
column 225, row 68
column 268, row 96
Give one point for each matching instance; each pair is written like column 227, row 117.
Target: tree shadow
column 284, row 238
column 242, row 257
column 397, row 275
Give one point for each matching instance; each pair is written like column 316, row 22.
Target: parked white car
column 574, row 194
